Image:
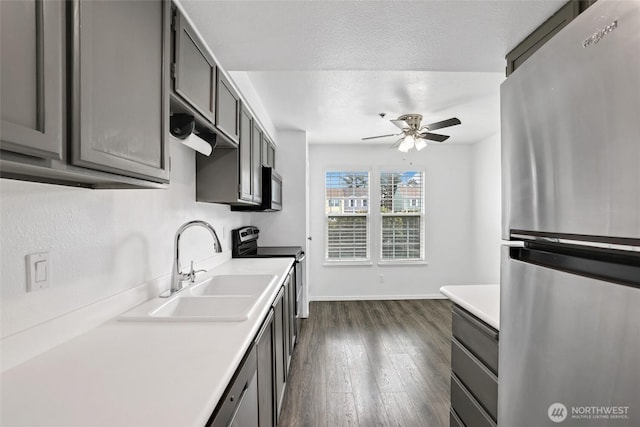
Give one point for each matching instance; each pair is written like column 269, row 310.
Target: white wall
column 100, row 242
column 487, row 202
column 287, row 227
column 449, row 223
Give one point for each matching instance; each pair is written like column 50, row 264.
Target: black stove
column 245, row 245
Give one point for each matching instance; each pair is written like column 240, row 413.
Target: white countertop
column 483, row 301
column 138, row 373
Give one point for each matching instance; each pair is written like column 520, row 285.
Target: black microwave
column 271, row 190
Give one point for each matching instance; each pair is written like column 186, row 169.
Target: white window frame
column 381, row 215
column 353, row 261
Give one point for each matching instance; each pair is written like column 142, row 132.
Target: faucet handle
column 192, row 273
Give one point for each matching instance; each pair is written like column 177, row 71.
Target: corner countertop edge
column 483, row 301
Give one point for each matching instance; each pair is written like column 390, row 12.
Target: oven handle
column 302, row 257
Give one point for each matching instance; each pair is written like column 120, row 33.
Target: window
column 347, row 224
column 334, row 203
column 401, row 211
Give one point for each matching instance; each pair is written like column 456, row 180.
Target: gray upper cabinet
column 119, row 92
column 31, row 37
column 544, row 33
column 245, row 146
column 256, row 162
column 85, row 90
column 227, row 108
column 268, row 153
column 194, row 70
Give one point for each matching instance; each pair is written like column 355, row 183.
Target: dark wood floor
column 371, row 363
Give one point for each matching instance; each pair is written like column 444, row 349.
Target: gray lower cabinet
column 85, row 93
column 280, row 352
column 119, row 92
column 31, row 74
column 474, row 371
column 193, row 69
column 264, row 343
column 255, row 394
column 239, row 404
column 227, row 108
column 291, row 312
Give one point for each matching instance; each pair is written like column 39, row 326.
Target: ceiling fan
column 414, row 135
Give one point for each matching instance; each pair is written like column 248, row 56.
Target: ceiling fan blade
column 433, row 136
column 380, row 136
column 401, row 124
column 395, row 144
column 443, row 124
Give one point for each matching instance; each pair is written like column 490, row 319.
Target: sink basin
column 234, row 284
column 223, row 298
column 219, row 308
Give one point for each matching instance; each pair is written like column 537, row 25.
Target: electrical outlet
column 381, row 278
column 38, row 271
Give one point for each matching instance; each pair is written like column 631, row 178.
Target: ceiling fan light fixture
column 408, row 142
column 420, row 144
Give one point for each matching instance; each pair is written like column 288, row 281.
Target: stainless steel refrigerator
column 570, row 269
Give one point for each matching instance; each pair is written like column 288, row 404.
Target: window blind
column 401, row 210
column 346, row 210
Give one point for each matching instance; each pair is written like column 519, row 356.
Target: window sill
column 403, row 263
column 347, row 263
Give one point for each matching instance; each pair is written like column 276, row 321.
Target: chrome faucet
column 177, row 276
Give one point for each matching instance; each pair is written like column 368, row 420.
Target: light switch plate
column 38, row 271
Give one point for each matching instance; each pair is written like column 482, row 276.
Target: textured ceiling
column 343, row 106
column 320, row 64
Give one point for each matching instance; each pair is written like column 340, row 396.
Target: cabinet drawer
column 468, row 410
column 481, row 382
column 477, row 336
column 454, row 420
column 227, row 405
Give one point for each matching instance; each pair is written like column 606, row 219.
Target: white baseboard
column 375, row 297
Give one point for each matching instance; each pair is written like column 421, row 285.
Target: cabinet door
column 31, row 73
column 256, row 162
column 120, row 106
column 286, row 327
column 541, row 35
column 280, row 352
column 227, row 108
column 264, row 347
column 268, row 153
column 246, row 169
column 194, row 70
column 292, row 313
column 271, row 156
